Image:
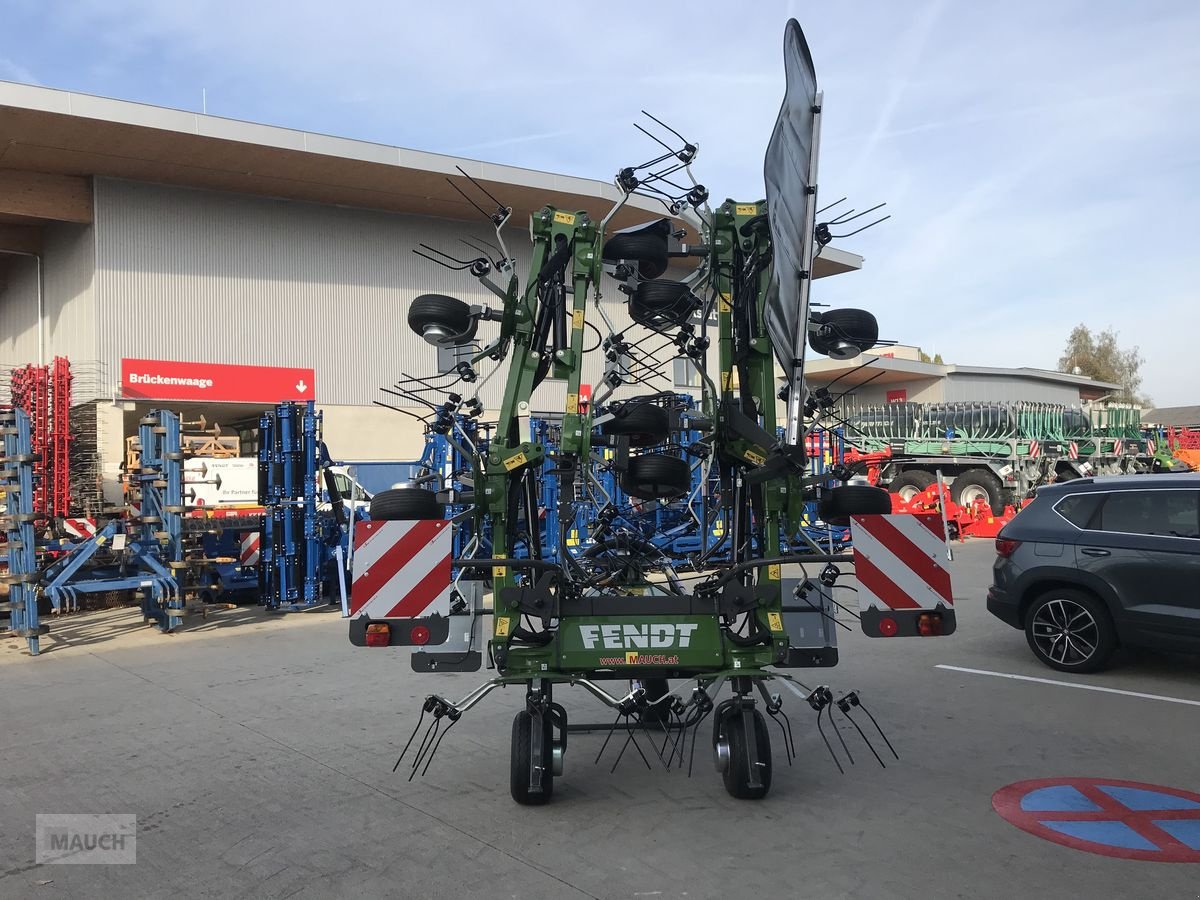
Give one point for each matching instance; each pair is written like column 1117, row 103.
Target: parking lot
column 258, row 761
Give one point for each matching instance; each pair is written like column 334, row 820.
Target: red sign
column 899, row 396
column 1106, row 816
column 160, row 379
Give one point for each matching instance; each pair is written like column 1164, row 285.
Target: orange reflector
column 929, row 624
column 379, row 635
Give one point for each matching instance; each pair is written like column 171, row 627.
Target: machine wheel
column 405, row 504
column 438, row 318
column 661, row 303
column 654, row 476
column 908, row 484
column 975, row 483
column 644, row 423
column 522, row 731
column 648, row 248
column 737, row 774
column 1070, row 630
column 843, row 333
column 836, row 506
column 656, row 689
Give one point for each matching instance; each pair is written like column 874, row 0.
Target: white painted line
column 1071, row 684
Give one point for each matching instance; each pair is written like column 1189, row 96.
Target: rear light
column 929, row 624
column 888, row 627
column 1006, row 547
column 379, row 635
column 419, row 635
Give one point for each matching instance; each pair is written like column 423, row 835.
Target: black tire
column 522, row 730
column 856, row 327
column 647, row 248
column 661, row 303
column 656, row 689
column 976, row 482
column 836, row 506
column 654, row 476
column 906, row 484
column 442, row 319
column 645, row 424
column 1063, row 623
column 737, row 775
column 405, row 504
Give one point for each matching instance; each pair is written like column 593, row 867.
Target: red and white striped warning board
column 1073, row 450
column 401, row 570
column 1034, row 449
column 900, row 562
column 250, row 543
column 80, row 528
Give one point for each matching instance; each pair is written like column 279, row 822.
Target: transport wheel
column 645, row 424
column 661, row 303
column 836, row 506
column 439, row 318
column 405, row 504
column 908, row 484
column 737, row 774
column 522, row 732
column 1070, row 630
column 974, row 484
column 654, row 476
column 647, row 247
column 656, row 689
column 843, row 333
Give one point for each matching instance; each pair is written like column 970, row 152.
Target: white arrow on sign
column 301, row 387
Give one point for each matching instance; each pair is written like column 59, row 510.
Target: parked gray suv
column 1095, row 563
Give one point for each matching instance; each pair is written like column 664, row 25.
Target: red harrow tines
column 975, row 520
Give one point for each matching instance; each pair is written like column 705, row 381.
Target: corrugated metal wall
column 1007, row 388
column 18, row 310
column 199, row 275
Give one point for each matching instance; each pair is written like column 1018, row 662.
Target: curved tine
column 430, row 733
column 838, row 732
column 654, row 138
column 863, row 735
column 864, row 228
column 607, row 739
column 438, row 743
column 465, row 262
column 830, row 206
column 481, row 187
column 410, row 739
column 877, row 728
column 828, row 745
column 786, row 748
column 666, row 126
column 846, row 217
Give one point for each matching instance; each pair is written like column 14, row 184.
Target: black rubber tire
column 981, row 479
column 656, row 689
column 654, row 476
column 836, row 506
column 1104, row 632
column 737, row 775
column 857, row 326
column 522, row 729
column 406, row 504
column 661, row 303
column 913, row 478
column 648, row 249
column 644, row 423
column 450, row 314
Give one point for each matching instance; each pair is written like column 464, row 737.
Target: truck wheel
column 908, row 484
column 661, row 303
column 647, row 247
column 654, row 476
column 973, row 484
column 522, row 732
column 405, row 504
column 737, row 774
column 836, row 506
column 437, row 317
column 644, row 423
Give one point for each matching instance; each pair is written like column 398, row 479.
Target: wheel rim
column 971, row 493
column 907, row 492
column 1066, row 632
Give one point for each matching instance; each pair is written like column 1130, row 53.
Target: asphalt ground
column 256, row 754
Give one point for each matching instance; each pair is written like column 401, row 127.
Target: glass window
column 686, row 374
column 1172, row 513
column 1080, row 509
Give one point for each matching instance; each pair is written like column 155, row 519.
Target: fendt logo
column 635, row 637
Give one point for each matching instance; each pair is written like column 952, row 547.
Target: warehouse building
column 159, row 250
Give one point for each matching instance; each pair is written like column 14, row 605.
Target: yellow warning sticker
column 563, row 218
column 572, row 404
column 726, row 303
column 501, row 626
column 746, row 209
column 726, row 381
column 757, row 458
column 499, row 571
column 577, row 319
column 774, row 572
column 775, row 620
column 515, row 461
column 631, row 657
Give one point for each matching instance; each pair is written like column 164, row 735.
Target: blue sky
column 1041, row 161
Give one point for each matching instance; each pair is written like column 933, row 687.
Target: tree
column 1097, row 355
column 924, row 357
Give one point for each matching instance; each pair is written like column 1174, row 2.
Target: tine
column 865, row 740
column 606, row 739
column 828, row 745
column 414, row 731
column 838, row 732
column 429, row 758
column 880, row 730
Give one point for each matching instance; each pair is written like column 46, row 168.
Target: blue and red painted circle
column 1107, row 816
